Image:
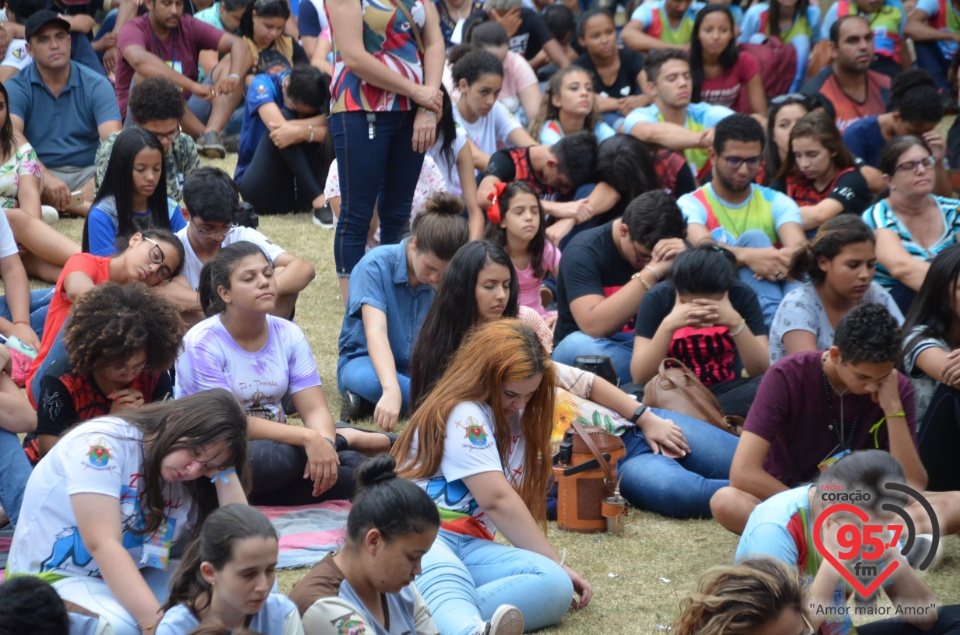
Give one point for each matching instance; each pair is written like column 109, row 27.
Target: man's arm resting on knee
column 746, row 470
column 147, row 64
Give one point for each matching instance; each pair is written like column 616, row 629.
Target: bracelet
column 233, row 76
column 330, row 441
column 21, row 322
column 743, row 325
column 655, row 272
column 639, row 276
column 639, row 413
column 426, row 110
column 875, row 428
column 311, row 135
column 222, row 477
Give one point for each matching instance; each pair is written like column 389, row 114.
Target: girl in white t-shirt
column 104, row 507
column 475, row 444
column 488, row 124
column 366, row 587
column 226, row 577
column 260, row 358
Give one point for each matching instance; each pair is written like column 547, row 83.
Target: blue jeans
column 770, row 294
column 382, row 171
column 465, row 577
column 14, row 471
column 679, row 488
column 358, row 376
column 57, row 351
column 618, row 347
column 39, row 304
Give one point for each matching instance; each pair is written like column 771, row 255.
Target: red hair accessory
column 493, row 212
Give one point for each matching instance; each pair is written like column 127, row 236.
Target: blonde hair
column 500, row 351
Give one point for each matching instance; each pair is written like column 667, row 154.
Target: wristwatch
column 639, row 413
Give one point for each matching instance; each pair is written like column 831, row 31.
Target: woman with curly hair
column 121, row 340
column 756, row 596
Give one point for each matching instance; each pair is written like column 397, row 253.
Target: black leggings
column 281, row 181
column 948, row 622
column 940, row 440
column 278, row 474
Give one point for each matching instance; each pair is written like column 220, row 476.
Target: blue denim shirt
column 380, row 279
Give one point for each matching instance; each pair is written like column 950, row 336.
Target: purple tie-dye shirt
column 259, row 379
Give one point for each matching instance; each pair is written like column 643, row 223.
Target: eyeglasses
column 207, row 230
column 169, row 136
column 737, row 162
column 128, row 371
column 911, row 166
column 806, row 623
column 641, row 259
column 156, row 257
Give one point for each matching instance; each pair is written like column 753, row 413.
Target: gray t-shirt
column 802, row 310
column 923, row 384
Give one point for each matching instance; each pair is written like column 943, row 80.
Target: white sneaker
column 507, row 620
column 50, row 215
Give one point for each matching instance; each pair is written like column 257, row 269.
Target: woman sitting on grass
column 260, row 358
column 368, row 584
column 476, row 445
column 391, row 290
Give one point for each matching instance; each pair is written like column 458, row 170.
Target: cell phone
column 76, row 198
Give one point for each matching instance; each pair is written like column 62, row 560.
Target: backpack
column 778, row 64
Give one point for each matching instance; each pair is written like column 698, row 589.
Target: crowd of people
column 537, row 208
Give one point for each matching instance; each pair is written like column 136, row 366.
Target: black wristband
column 639, row 413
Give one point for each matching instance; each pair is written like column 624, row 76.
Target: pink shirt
column 530, row 284
column 730, row 89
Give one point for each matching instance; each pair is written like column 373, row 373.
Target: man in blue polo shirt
column 64, row 110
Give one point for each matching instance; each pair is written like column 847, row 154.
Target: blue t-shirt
column 102, row 224
column 381, row 280
column 63, row 130
column 864, row 139
column 269, row 620
column 264, row 89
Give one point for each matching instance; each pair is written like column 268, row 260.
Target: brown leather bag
column 677, row 389
column 586, row 474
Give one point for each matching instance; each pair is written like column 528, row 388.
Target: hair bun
column 378, row 469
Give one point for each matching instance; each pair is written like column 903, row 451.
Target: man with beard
column 671, row 120
column 848, row 89
column 760, row 226
column 166, row 43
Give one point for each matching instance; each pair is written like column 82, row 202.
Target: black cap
column 40, row 19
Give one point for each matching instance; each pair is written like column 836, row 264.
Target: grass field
column 638, row 580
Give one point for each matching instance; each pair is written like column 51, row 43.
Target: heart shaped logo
column 865, row 591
